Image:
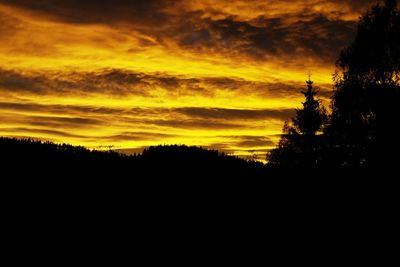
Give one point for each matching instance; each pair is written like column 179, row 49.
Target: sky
column 128, row 74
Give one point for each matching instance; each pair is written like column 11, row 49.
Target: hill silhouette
column 174, row 160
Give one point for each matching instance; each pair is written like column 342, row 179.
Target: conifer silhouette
column 300, row 144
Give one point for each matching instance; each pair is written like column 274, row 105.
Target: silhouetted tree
column 365, row 106
column 300, row 144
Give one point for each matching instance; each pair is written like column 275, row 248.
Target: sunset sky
column 221, row 74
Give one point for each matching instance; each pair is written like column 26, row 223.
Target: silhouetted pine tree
column 300, row 144
column 366, row 103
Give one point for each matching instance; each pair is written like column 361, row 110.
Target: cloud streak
column 119, row 83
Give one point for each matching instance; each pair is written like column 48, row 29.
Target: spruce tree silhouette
column 365, row 106
column 301, row 142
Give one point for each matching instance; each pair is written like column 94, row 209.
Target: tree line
column 175, row 160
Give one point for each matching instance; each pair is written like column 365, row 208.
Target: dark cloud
column 196, row 124
column 236, row 114
column 254, row 141
column 313, row 35
column 14, row 81
column 138, row 136
column 357, row 5
column 308, row 33
column 246, row 141
column 317, row 35
column 63, row 122
column 123, row 136
column 149, row 12
column 42, row 131
column 58, row 109
column 50, row 122
column 113, row 82
column 116, row 82
column 134, row 11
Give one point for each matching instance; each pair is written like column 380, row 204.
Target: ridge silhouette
column 160, row 160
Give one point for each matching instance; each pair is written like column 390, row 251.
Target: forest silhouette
column 361, row 131
column 358, row 131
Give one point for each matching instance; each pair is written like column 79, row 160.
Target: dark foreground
column 175, row 181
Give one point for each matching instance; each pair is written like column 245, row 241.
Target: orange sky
column 130, row 74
